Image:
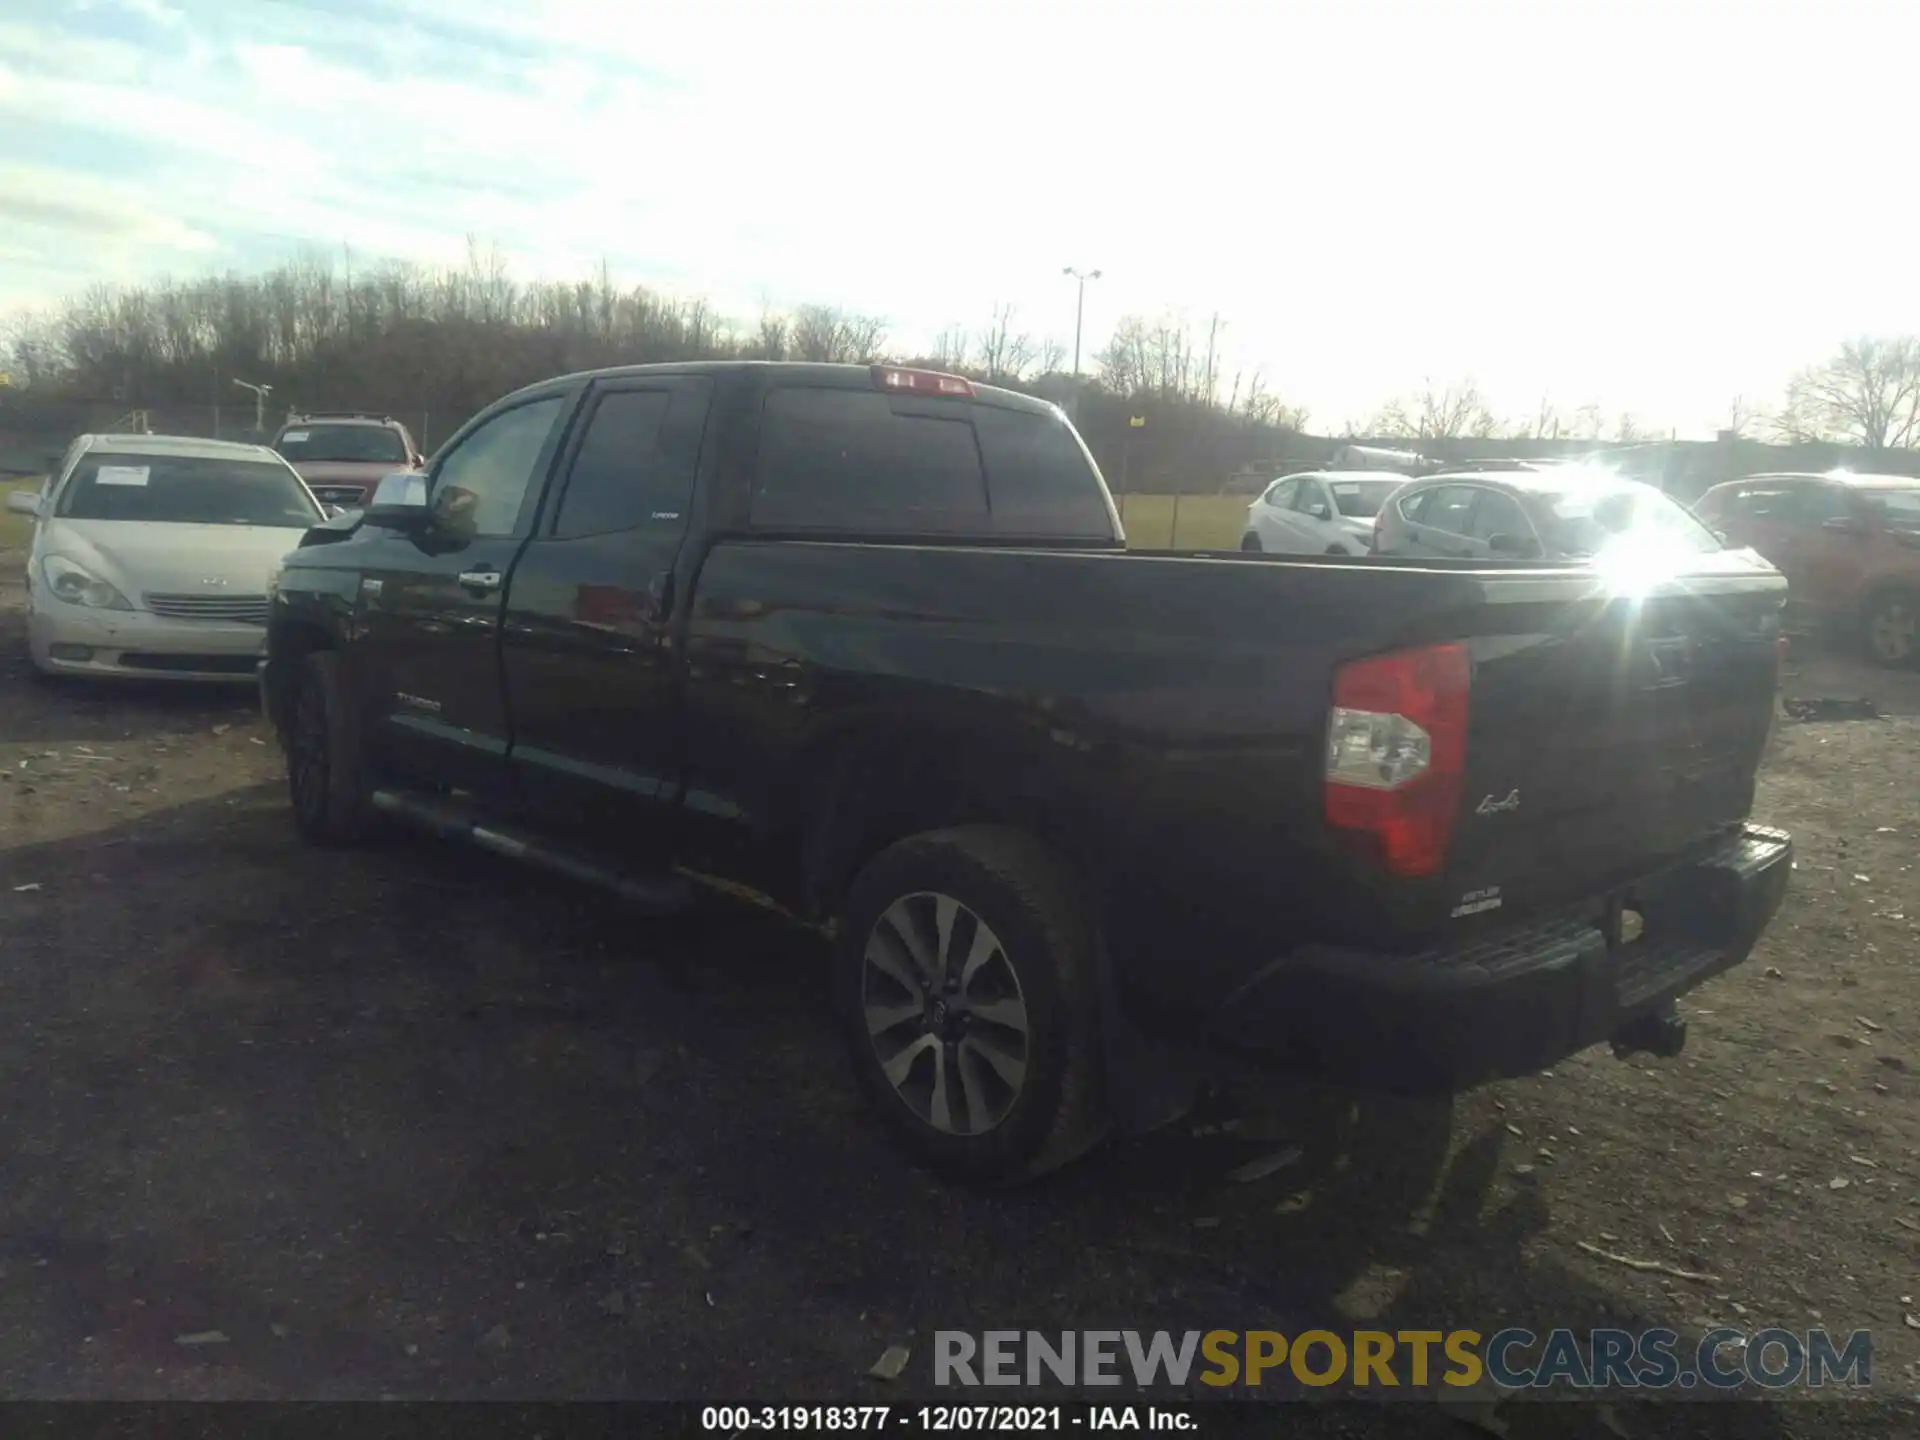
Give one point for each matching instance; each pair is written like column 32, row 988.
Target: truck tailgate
column 1610, row 735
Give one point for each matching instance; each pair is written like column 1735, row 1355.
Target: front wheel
column 328, row 779
column 1889, row 626
column 964, row 978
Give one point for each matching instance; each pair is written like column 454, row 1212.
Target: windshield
column 1362, row 499
column 374, row 444
column 1594, row 518
column 188, row 490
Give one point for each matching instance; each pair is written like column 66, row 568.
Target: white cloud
column 1648, row 208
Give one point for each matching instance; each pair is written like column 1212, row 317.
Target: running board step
column 667, row 894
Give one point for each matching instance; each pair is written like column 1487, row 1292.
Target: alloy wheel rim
column 945, row 1013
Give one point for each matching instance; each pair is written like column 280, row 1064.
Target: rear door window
column 1821, row 503
column 1310, row 494
column 1772, row 503
column 1282, row 493
column 1499, row 514
column 866, row 462
column 635, row 465
column 1450, row 508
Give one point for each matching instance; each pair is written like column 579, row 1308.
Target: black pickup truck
column 868, row 642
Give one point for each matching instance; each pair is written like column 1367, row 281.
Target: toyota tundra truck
column 869, row 642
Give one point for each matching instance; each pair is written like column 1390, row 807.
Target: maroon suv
column 343, row 456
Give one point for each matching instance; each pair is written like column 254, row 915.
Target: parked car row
column 1558, row 513
column 1848, row 544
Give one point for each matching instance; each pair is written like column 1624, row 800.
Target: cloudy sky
column 1649, row 208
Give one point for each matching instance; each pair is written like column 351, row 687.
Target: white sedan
column 1322, row 512
column 152, row 555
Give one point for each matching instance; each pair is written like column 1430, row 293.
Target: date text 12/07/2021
column 944, row 1419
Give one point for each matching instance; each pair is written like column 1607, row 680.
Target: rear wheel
column 328, row 779
column 1336, row 549
column 965, row 983
column 1251, row 542
column 1891, row 628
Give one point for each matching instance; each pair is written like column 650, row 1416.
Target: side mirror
column 24, row 502
column 1721, row 536
column 1517, row 546
column 1845, row 525
column 333, row 512
column 1319, row 510
column 400, row 503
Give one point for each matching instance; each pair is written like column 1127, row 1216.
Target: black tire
column 328, row 778
column 1251, row 543
column 1031, row 902
column 1336, row 550
column 1889, row 636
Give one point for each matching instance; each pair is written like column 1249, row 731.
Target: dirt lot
column 407, row 1122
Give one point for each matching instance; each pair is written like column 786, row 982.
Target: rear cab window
column 864, row 462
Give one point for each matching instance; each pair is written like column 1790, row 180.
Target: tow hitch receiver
column 1661, row 1033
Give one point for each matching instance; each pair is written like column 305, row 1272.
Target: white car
column 1321, row 512
column 152, row 556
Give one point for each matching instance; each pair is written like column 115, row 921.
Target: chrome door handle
column 484, row 581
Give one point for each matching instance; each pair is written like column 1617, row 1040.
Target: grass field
column 1206, row 522
column 16, row 531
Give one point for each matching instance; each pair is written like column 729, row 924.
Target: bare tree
column 952, row 349
column 1629, row 431
column 1545, row 424
column 1050, row 357
column 828, row 334
column 1004, row 353
column 1741, row 417
column 1867, row 395
column 1437, row 414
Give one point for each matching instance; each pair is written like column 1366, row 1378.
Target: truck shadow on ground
column 409, row 1121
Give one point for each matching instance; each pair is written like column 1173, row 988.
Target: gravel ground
column 407, row 1122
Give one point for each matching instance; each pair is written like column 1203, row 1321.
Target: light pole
column 1081, row 277
column 260, row 393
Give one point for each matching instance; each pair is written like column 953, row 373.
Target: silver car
column 1558, row 514
column 152, row 556
column 1320, row 512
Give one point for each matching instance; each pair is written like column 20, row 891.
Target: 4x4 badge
column 1491, row 806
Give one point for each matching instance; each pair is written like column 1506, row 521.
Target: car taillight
column 921, row 382
column 1396, row 750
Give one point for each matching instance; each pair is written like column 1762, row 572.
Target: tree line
column 405, row 340
column 1155, row 402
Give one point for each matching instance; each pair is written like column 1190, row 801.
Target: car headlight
column 77, row 586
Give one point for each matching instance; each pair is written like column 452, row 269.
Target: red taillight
column 1396, row 749
column 921, row 382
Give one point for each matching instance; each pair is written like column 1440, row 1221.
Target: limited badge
column 1475, row 902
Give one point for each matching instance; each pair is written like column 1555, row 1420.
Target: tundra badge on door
column 1491, row 806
